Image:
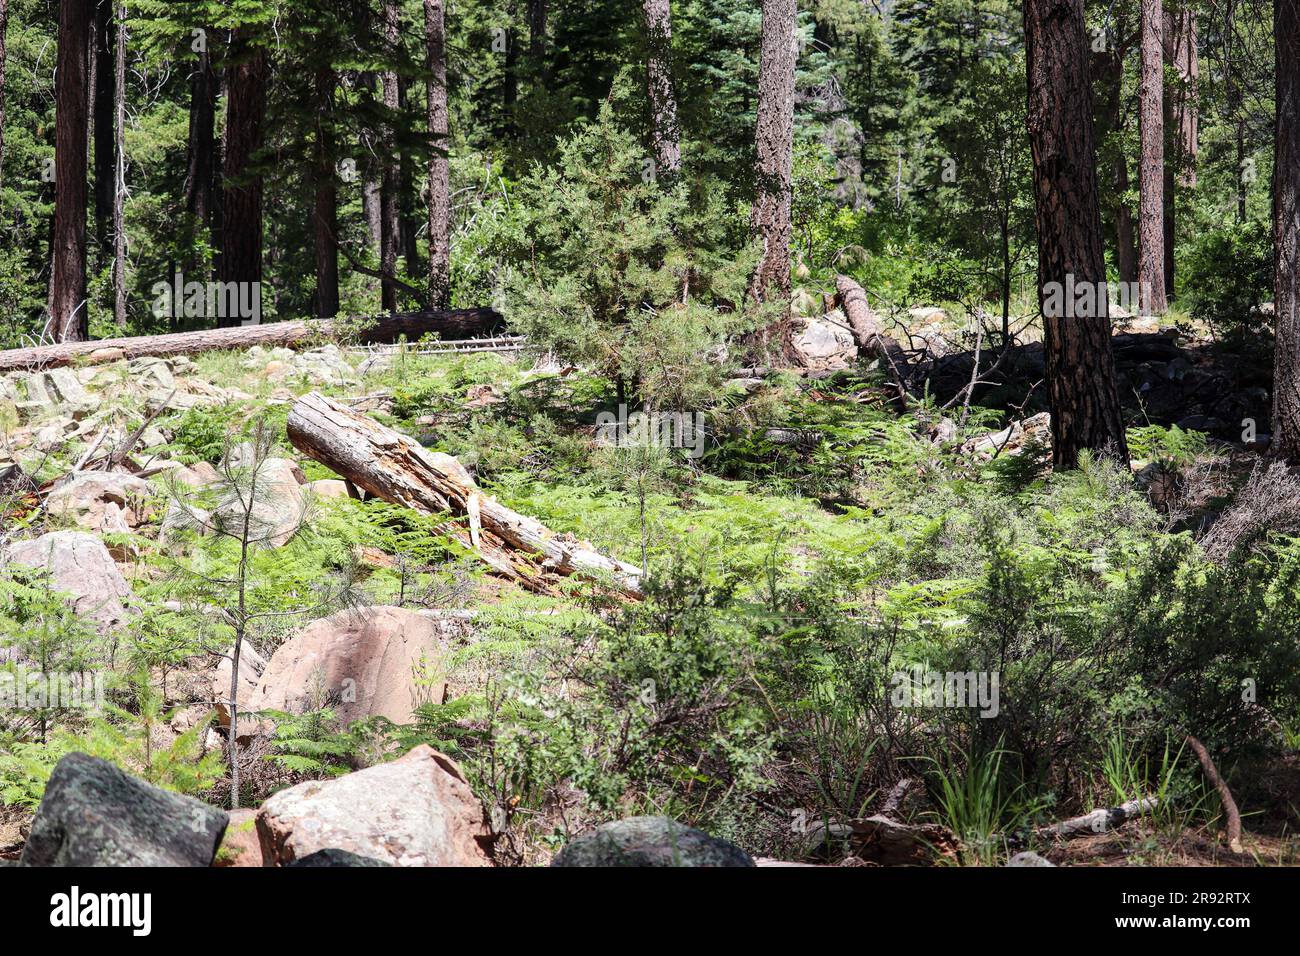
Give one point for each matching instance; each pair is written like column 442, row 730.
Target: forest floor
column 863, row 483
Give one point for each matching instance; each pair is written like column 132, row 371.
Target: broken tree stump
column 400, row 471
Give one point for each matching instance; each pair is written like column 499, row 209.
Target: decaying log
column 456, row 323
column 880, row 839
column 1230, row 811
column 867, row 332
column 1101, row 820
column 870, row 338
column 398, row 470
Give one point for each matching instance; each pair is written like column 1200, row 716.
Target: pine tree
column 69, row 315
column 1080, row 365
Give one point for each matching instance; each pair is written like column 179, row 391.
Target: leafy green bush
column 1228, row 273
column 1212, row 647
column 1172, row 444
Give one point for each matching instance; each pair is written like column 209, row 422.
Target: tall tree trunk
column 435, row 35
column 105, row 107
column 1110, row 63
column 1286, row 228
column 1151, row 166
column 325, row 212
column 200, row 165
column 119, row 167
column 241, row 200
column 1232, row 93
column 371, row 206
column 1181, row 121
column 4, row 33
column 1080, row 364
column 536, row 31
column 1126, row 255
column 665, row 135
column 774, row 136
column 1184, row 110
column 510, row 76
column 388, row 230
column 68, row 318
column 409, row 213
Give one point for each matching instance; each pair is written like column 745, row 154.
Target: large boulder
column 93, row 814
column 278, row 505
column 328, row 488
column 38, row 395
column 180, row 520
column 363, row 662
column 80, row 565
column 101, row 500
column 824, row 343
column 416, row 811
column 650, row 841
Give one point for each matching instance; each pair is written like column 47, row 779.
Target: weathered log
column 1100, row 821
column 398, row 470
column 883, row 840
column 457, row 323
column 870, row 338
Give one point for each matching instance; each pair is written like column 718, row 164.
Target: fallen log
column 1101, row 820
column 867, row 333
column 398, row 470
column 456, row 323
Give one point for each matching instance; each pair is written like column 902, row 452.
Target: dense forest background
column 911, row 150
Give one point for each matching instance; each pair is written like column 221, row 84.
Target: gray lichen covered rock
column 93, row 814
column 650, row 841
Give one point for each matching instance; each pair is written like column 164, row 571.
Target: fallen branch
column 1100, row 821
column 398, row 470
column 897, row 795
column 460, row 323
column 1225, row 795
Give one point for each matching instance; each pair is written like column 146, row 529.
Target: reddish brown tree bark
column 119, row 165
column 1080, row 365
column 388, row 193
column 435, row 34
column 1180, row 39
column 1180, row 121
column 774, row 137
column 1286, row 228
column 68, row 318
column 1151, row 165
